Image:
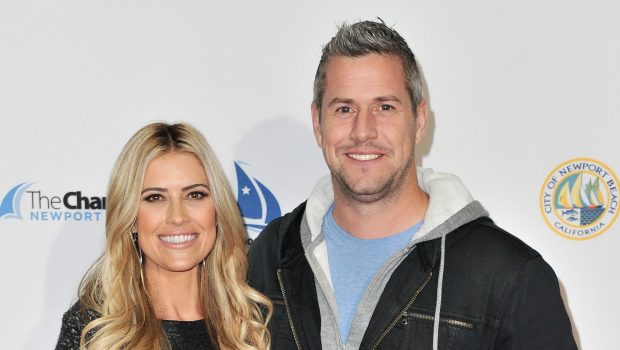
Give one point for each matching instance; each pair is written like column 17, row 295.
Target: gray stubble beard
column 391, row 187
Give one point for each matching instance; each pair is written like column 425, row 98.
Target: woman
column 173, row 272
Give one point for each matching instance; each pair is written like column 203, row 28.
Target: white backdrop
column 515, row 90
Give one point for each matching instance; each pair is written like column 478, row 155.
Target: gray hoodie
column 450, row 206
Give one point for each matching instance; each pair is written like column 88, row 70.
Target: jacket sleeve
column 534, row 315
column 263, row 260
column 265, row 253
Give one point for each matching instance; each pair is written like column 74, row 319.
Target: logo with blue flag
column 10, row 207
column 257, row 204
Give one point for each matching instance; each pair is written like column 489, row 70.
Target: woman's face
column 176, row 214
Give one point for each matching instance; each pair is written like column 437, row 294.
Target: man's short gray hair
column 364, row 38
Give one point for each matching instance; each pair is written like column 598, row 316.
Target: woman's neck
column 174, row 295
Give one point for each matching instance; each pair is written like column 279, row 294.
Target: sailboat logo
column 257, row 204
column 10, row 207
column 579, row 203
column 579, row 199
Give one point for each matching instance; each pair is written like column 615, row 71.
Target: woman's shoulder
column 73, row 322
column 79, row 314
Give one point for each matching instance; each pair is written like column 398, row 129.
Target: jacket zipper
column 404, row 310
column 288, row 310
column 450, row 321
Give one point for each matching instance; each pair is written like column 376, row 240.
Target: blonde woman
column 173, row 273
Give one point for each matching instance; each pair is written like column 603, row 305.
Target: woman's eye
column 155, row 197
column 197, row 195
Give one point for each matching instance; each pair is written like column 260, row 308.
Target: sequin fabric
column 183, row 335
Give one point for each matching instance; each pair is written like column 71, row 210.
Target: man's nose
column 364, row 127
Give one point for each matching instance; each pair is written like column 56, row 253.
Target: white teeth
column 177, row 239
column 363, row 156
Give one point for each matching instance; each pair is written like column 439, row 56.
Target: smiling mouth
column 363, row 157
column 178, row 239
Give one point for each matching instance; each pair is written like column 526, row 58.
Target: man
column 384, row 255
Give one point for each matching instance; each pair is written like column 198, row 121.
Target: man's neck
column 381, row 218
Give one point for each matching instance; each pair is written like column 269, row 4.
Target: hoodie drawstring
column 439, row 289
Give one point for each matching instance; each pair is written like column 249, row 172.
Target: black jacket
column 498, row 293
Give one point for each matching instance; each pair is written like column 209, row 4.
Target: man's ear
column 421, row 117
column 316, row 124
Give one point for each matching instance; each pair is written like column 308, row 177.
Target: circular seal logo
column 579, row 198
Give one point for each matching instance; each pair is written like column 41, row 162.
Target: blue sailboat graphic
column 257, row 204
column 11, row 203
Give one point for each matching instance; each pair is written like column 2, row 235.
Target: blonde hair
column 113, row 286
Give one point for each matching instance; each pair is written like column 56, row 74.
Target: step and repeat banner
column 524, row 99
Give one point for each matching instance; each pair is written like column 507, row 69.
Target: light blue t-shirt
column 353, row 263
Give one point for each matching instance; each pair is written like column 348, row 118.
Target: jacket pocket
column 414, row 330
column 447, row 321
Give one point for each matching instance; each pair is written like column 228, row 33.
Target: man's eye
column 155, row 197
column 386, row 107
column 344, row 109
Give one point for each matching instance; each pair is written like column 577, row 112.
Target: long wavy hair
column 235, row 314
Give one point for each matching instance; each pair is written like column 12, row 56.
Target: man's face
column 367, row 129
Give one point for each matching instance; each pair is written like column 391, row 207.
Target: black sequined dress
column 183, row 335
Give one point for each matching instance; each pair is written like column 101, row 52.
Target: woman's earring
column 134, row 238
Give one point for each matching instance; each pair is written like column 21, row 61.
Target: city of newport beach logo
column 25, row 201
column 257, row 204
column 579, row 198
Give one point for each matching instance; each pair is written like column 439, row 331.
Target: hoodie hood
column 450, row 205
